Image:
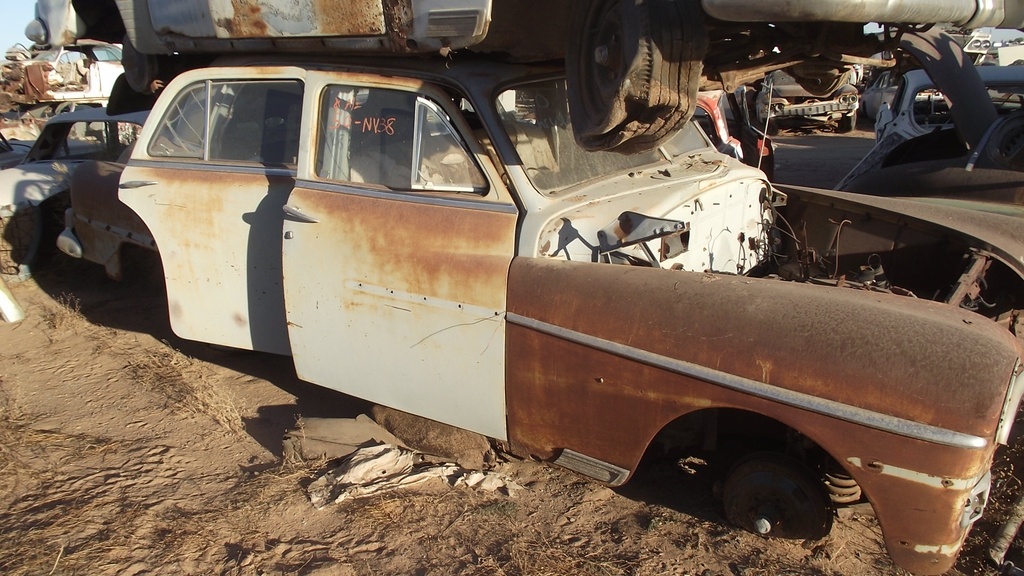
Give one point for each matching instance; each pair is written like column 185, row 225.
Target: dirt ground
column 127, row 451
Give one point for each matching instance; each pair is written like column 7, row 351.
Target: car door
column 209, row 177
column 874, row 94
column 397, row 242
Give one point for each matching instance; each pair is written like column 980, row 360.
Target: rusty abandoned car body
column 428, row 236
column 97, row 226
column 634, row 68
column 782, row 100
column 34, row 193
column 60, row 78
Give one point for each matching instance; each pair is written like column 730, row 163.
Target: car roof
column 92, row 114
column 466, row 69
column 989, row 75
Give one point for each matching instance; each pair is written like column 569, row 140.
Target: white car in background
column 881, row 90
column 12, row 152
column 920, row 123
column 59, row 79
column 34, row 193
column 919, row 107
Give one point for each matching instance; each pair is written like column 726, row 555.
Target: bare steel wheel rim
column 775, row 495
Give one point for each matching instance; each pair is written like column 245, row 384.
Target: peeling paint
column 914, row 476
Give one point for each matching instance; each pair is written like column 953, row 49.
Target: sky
column 15, row 15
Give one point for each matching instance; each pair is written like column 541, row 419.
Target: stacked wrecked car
column 446, row 237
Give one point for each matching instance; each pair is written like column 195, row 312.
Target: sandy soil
column 127, row 451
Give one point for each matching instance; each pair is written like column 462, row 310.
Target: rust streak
column 351, row 18
column 457, row 251
column 247, row 21
column 398, row 15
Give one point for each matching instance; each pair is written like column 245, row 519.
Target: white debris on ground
column 10, row 310
column 387, row 467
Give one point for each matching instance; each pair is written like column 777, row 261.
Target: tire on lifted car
column 634, row 69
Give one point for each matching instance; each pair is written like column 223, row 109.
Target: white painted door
column 217, row 164
column 396, row 253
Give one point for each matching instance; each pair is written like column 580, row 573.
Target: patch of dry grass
column 61, row 527
column 24, row 450
column 532, row 553
column 182, row 381
column 11, row 420
column 95, row 529
column 179, row 378
column 87, row 533
column 65, row 315
column 238, row 516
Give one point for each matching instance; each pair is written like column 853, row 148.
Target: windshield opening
column 536, row 118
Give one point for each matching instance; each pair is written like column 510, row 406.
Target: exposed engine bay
column 836, row 246
column 808, row 238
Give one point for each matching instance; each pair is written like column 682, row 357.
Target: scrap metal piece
column 1001, row 543
column 968, row 286
column 632, row 228
column 9, row 307
column 597, row 469
column 967, row 13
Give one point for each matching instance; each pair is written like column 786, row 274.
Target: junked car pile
column 783, row 101
column 35, row 192
column 577, row 307
column 634, row 68
column 431, row 235
column 57, row 79
column 951, row 132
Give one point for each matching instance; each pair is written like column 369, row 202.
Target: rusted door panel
column 911, row 359
column 399, row 299
column 218, row 234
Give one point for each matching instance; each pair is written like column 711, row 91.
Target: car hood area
column 995, row 230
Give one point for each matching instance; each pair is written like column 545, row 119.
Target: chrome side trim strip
column 597, row 469
column 1011, row 405
column 386, row 294
column 800, row 400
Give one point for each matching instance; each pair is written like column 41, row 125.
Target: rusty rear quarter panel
column 102, row 222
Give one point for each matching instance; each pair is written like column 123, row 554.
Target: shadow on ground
column 139, row 304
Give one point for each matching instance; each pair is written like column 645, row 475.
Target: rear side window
column 84, row 141
column 107, row 54
column 399, row 140
column 249, row 122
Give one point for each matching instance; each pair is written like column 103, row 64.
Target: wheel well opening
column 723, row 430
column 716, row 439
column 142, row 266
